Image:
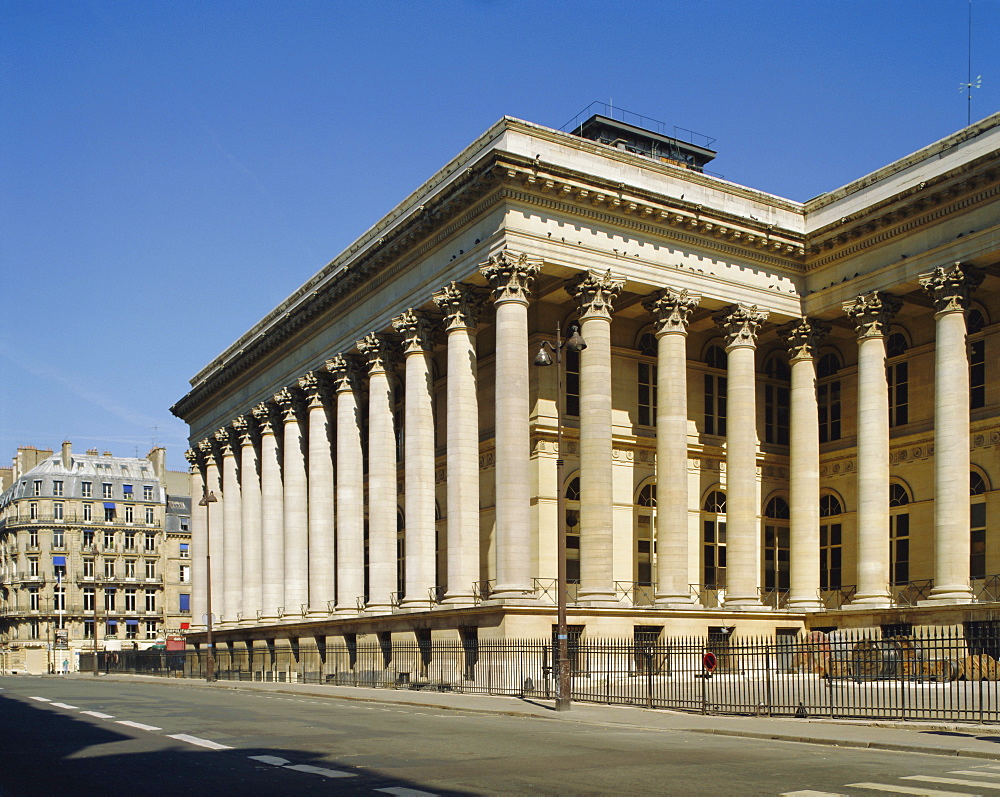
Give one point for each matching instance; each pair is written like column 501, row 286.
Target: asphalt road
column 153, row 738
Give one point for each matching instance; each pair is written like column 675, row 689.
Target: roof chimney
column 91, row 452
column 107, row 453
column 158, row 457
column 67, row 454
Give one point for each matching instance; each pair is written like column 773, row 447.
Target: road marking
column 138, row 725
column 183, row 737
column 979, row 784
column 63, row 705
column 975, row 773
column 897, row 789
column 329, row 773
column 99, row 715
column 811, row 793
column 40, row 699
column 273, row 760
column 399, row 791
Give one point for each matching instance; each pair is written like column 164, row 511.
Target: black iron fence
column 895, row 673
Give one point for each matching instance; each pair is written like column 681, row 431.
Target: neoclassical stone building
column 786, row 414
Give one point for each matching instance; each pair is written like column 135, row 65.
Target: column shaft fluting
column 382, row 508
column 199, row 538
column 872, row 313
column 216, row 530
column 742, row 501
column 350, row 580
column 511, row 277
column 271, row 516
column 250, row 541
column 232, row 510
column 295, row 505
column 322, row 525
column 671, row 309
column 459, row 304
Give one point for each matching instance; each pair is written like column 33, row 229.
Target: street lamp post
column 574, row 343
column 208, row 498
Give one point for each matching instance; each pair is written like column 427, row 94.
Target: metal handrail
column 775, row 598
column 910, row 593
column 636, row 594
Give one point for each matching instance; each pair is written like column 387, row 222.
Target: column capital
column 595, row 292
column 802, row 337
column 244, row 428
column 207, row 451
column 192, row 457
column 288, row 405
column 225, row 442
column 950, row 286
column 264, row 417
column 741, row 323
column 510, row 276
column 671, row 309
column 377, row 350
column 312, row 388
column 460, row 304
column 345, row 371
column 872, row 313
column 417, row 330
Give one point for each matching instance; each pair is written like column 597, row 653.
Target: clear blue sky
column 169, row 172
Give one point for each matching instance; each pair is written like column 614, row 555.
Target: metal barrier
column 950, row 673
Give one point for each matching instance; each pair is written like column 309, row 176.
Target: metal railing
column 910, row 593
column 634, row 593
column 949, row 673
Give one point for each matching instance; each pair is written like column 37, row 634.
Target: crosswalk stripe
column 810, row 793
column 400, row 791
column 183, row 737
column 895, row 788
column 99, row 715
column 975, row 773
column 63, row 705
column 138, row 725
column 328, row 773
column 273, row 760
column 40, row 699
column 979, row 784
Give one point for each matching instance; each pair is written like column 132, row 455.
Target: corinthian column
column 670, row 309
column 596, row 292
column 295, row 504
column 232, row 513
column 418, row 426
column 199, row 538
column 741, row 323
column 950, row 287
column 381, row 475
column 872, row 313
column 216, row 526
column 510, row 277
column 802, row 338
column 321, row 508
column 251, row 576
column 460, row 304
column 272, row 547
column 350, row 578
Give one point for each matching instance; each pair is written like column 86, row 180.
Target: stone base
column 805, row 606
column 457, row 601
column 860, row 604
column 676, row 602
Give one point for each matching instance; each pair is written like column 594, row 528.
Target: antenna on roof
column 966, row 88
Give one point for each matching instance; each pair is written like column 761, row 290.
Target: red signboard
column 708, row 661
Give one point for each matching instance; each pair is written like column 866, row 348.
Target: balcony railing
column 912, row 592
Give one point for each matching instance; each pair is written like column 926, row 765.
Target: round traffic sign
column 708, row 661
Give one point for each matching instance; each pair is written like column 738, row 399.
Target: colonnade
column 290, row 534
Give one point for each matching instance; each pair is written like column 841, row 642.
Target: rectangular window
column 150, row 569
column 150, row 600
column 130, row 600
column 59, row 569
column 978, row 549
column 150, row 540
column 88, row 513
column 58, row 538
column 87, row 490
column 151, row 629
column 147, row 492
column 129, row 513
column 37, row 490
column 111, row 629
column 109, row 600
column 127, row 492
column 57, row 510
column 183, row 520
column 59, row 599
column 33, row 539
column 715, row 404
column 88, row 629
column 776, row 414
column 184, row 603
column 88, row 599
column 129, row 539
column 57, row 488
column 185, row 574
column 647, row 394
column 33, row 511
column 131, row 629
column 88, row 538
column 109, row 514
column 150, row 518
column 130, row 569
column 33, row 567
column 88, row 568
column 106, row 490
column 572, row 383
column 184, row 550
column 109, row 568
column 898, row 394
column 33, row 598
column 109, row 540
column 977, row 374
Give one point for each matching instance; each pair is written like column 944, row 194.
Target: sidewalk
column 935, row 738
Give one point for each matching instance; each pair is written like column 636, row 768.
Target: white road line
column 399, row 791
column 897, row 789
column 978, row 784
column 273, row 760
column 804, row 793
column 328, row 773
column 99, row 715
column 976, row 773
column 183, row 737
column 40, row 699
column 63, row 705
column 138, row 725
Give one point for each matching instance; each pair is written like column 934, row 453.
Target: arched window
column 977, row 562
column 828, row 396
column 776, row 400
column 645, row 509
column 714, row 540
column 715, row 391
column 830, row 543
column 573, row 531
column 975, row 321
column 776, row 515
column 897, row 372
column 899, row 534
column 646, row 381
